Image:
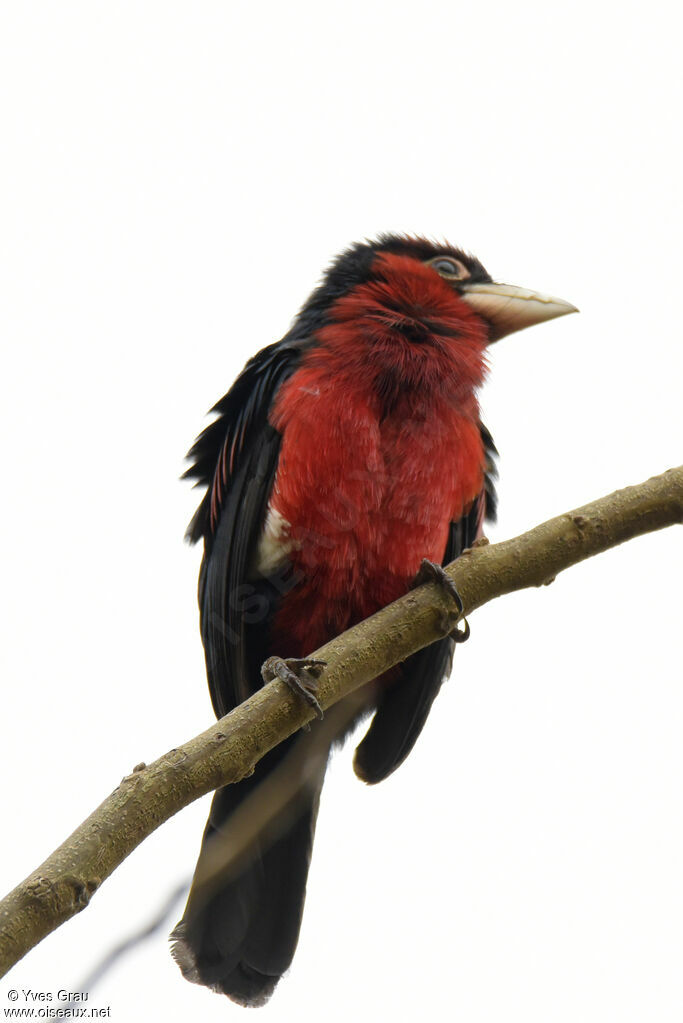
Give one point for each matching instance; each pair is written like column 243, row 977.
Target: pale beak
column 507, row 308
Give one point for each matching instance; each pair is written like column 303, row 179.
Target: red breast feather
column 381, row 447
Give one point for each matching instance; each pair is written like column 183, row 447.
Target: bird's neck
column 404, row 336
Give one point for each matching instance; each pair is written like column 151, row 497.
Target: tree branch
column 228, row 751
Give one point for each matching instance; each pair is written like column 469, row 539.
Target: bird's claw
column 429, row 571
column 460, row 635
column 290, row 670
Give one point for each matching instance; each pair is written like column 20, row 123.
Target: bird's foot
column 431, row 572
column 300, row 674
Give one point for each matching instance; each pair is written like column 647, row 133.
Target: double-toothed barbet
column 342, row 457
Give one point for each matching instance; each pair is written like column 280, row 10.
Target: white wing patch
column 275, row 544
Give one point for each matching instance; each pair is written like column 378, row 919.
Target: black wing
column 236, row 458
column 405, row 705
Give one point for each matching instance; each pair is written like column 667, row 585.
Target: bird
column 345, row 459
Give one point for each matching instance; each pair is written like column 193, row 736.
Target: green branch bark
column 223, row 754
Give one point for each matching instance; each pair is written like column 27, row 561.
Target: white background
column 174, row 178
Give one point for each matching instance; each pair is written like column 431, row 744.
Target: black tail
column 241, row 923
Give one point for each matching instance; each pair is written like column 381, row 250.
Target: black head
column 504, row 307
column 358, row 265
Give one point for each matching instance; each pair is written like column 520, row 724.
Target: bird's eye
column 450, row 268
